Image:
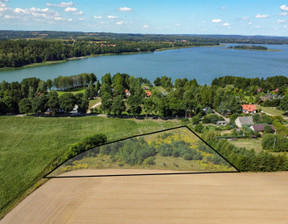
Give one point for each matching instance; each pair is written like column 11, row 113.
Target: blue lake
column 202, row 63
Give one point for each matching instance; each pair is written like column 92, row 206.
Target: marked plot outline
column 172, row 151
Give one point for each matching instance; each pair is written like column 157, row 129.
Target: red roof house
column 148, row 93
column 248, row 108
column 127, row 93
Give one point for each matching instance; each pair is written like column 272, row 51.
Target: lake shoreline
column 201, row 62
column 92, row 56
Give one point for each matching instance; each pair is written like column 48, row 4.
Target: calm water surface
column 202, row 63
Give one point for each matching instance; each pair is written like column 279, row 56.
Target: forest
column 248, row 47
column 17, row 53
column 20, row 48
column 163, row 97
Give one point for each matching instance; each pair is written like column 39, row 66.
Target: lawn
column 271, row 110
column 29, row 144
column 74, row 91
column 248, row 144
column 94, row 101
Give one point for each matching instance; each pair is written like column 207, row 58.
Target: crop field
column 28, row 145
column 187, row 198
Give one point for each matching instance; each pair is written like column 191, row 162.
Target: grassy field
column 271, row 110
column 29, row 144
column 74, row 91
column 248, row 144
column 95, row 101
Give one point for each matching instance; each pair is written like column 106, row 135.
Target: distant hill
column 9, row 34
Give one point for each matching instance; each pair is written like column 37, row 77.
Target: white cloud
column 283, row 13
column 3, row 7
column 79, row 13
column 245, row 18
column 223, row 8
column 18, row 10
column 216, row 20
column 125, row 9
column 120, row 22
column 250, row 23
column 111, row 17
column 59, row 18
column 62, row 4
column 279, row 21
column 284, row 8
column 70, row 9
column 69, row 20
column 81, row 19
column 97, row 17
column 8, row 17
column 259, row 16
column 226, row 24
column 36, row 13
column 146, row 27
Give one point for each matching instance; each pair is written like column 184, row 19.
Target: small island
column 248, row 47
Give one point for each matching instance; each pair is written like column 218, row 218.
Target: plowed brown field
column 187, row 198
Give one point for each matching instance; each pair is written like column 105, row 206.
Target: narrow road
column 225, row 118
column 94, row 106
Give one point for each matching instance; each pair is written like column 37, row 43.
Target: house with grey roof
column 247, row 120
column 261, row 127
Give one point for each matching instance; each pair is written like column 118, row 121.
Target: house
column 261, row 127
column 240, row 121
column 127, row 93
column 75, row 109
column 207, row 110
column 148, row 94
column 224, row 123
column 276, row 90
column 248, row 108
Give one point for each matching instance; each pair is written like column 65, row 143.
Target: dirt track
column 197, row 198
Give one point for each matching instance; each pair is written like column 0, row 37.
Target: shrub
column 87, row 143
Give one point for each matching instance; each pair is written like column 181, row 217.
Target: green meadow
column 29, row 145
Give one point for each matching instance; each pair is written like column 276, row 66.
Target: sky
column 242, row 17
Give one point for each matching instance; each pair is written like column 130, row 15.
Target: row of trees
column 52, row 103
column 182, row 98
column 246, row 160
column 31, row 96
column 249, row 47
column 17, row 53
column 252, row 84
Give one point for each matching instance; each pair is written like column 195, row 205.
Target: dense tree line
column 275, row 143
column 182, row 98
column 249, row 47
column 247, row 160
column 268, row 84
column 32, row 95
column 17, row 53
column 122, row 93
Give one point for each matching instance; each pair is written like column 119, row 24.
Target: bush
column 150, row 161
column 87, row 143
column 165, row 150
column 199, row 128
